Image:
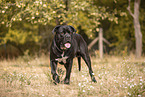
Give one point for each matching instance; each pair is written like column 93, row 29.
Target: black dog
column 65, row 46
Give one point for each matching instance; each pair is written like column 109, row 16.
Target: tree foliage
column 31, row 21
column 78, row 12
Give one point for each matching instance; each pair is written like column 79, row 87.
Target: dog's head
column 63, row 36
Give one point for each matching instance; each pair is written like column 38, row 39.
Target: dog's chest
column 63, row 59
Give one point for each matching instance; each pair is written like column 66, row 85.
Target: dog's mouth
column 65, row 46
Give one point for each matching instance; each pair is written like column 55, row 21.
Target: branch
column 128, row 8
column 106, row 41
column 92, row 43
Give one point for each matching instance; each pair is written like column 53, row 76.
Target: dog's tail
column 79, row 63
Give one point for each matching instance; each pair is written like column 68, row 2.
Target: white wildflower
column 129, row 94
column 19, row 6
column 6, row 7
column 141, row 80
column 20, row 19
column 79, row 84
column 3, row 22
column 84, row 91
column 99, row 75
column 92, row 87
column 140, row 77
column 3, row 11
column 135, row 84
column 33, row 17
column 44, row 5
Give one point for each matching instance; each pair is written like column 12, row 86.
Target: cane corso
column 65, row 46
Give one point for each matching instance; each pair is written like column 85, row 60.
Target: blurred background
column 26, row 25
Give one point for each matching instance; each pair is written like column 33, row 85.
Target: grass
column 30, row 77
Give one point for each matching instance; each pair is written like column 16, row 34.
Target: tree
column 45, row 12
column 138, row 33
column 84, row 13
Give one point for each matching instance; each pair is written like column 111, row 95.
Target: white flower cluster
column 85, row 86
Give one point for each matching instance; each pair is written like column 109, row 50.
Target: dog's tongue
column 67, row 45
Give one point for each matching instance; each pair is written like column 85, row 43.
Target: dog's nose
column 67, row 36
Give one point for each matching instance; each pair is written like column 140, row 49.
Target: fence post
column 101, row 42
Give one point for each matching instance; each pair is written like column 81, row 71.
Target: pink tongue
column 67, row 45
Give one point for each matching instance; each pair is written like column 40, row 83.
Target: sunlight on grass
column 115, row 76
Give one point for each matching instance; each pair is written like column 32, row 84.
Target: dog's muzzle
column 65, row 46
column 66, row 42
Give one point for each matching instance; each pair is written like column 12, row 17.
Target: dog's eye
column 61, row 33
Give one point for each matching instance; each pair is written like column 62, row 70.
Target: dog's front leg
column 53, row 71
column 68, row 67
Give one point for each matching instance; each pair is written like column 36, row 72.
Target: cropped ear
column 55, row 29
column 73, row 29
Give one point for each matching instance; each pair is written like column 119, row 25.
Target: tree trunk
column 101, row 42
column 138, row 34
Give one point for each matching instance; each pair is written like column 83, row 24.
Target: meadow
column 28, row 76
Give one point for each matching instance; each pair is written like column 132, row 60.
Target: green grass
column 31, row 77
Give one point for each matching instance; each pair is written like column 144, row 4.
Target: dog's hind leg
column 88, row 62
column 79, row 63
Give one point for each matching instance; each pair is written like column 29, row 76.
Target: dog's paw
column 94, row 80
column 56, row 78
column 66, row 81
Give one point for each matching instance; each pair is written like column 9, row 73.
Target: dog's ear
column 55, row 29
column 73, row 29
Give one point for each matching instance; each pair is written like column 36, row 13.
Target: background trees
column 26, row 25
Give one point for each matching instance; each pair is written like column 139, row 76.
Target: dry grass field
column 31, row 77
